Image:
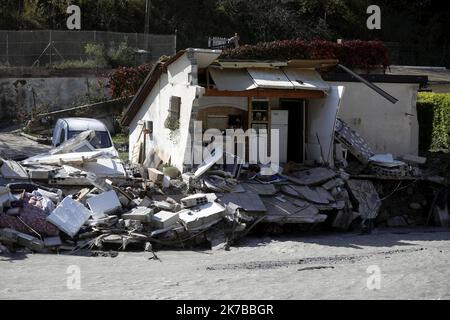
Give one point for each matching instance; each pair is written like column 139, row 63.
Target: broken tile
column 69, row 216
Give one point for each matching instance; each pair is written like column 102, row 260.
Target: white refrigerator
column 279, row 120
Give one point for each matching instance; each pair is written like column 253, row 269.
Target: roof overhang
column 250, row 79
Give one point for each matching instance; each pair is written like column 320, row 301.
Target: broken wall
column 176, row 82
column 320, row 123
column 387, row 128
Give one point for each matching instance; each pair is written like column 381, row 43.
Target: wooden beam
column 269, row 93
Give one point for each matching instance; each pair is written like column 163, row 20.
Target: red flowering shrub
column 353, row 53
column 125, row 82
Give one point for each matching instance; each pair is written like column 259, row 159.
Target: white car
column 67, row 128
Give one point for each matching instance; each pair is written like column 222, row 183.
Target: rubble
column 69, row 216
column 106, row 203
column 102, row 202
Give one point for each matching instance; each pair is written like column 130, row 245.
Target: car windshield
column 100, row 141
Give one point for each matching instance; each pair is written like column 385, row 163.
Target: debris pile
column 75, row 197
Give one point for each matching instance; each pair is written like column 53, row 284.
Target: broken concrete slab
column 287, row 189
column 75, row 144
column 143, row 214
column 13, row 236
column 164, row 205
column 76, row 158
column 69, row 216
column 104, row 168
column 13, row 170
column 260, row 189
column 30, row 242
column 343, row 219
column 338, row 182
column 367, row 196
column 287, row 212
column 311, row 177
column 104, row 204
column 165, row 219
column 146, row 202
column 289, row 206
column 155, row 176
column 201, row 216
column 52, row 242
column 248, row 201
column 214, row 157
column 316, row 195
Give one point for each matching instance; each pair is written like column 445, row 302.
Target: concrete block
column 146, row 202
column 164, row 205
column 143, row 214
column 164, row 219
column 201, row 216
column 194, row 200
column 39, row 174
column 155, row 176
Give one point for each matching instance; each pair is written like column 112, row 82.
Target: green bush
column 434, row 120
column 97, row 53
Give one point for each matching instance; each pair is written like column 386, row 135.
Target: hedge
column 434, row 121
column 352, row 53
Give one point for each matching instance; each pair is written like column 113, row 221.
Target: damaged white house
column 297, row 97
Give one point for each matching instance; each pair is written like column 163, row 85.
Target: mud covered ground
column 401, row 263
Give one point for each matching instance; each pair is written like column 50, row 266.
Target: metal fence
column 46, row 47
